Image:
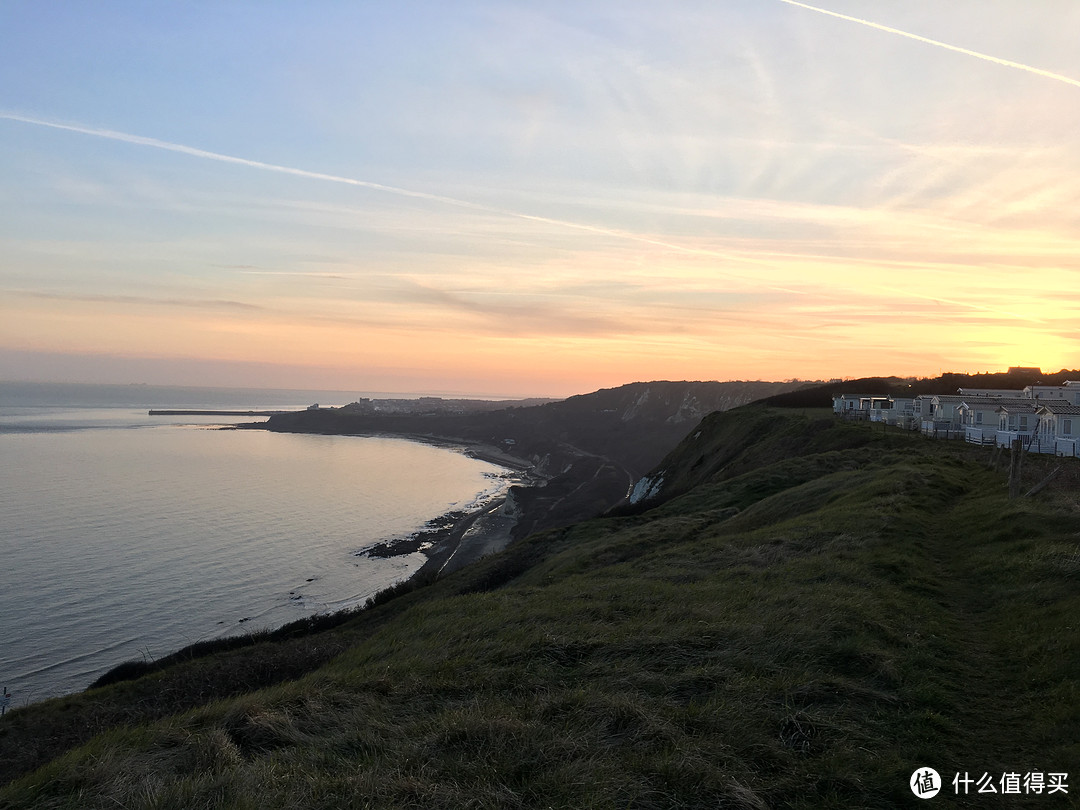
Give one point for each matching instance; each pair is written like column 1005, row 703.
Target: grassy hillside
column 812, row 610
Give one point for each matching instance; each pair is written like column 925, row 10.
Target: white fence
column 979, row 435
column 942, row 430
column 1039, row 443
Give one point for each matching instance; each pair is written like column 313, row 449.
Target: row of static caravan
column 1045, row 417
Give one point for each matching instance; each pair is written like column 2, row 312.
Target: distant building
column 1070, row 392
column 942, row 419
column 980, row 416
column 1059, row 428
column 1016, row 420
column 859, row 406
column 991, row 392
column 901, row 412
column 1045, row 417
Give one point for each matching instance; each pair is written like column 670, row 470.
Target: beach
column 459, row 538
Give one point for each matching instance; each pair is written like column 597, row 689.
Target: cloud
column 186, row 303
column 780, row 249
column 298, row 273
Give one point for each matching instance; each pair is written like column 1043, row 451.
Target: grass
column 801, row 628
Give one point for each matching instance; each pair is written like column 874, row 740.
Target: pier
column 182, row 412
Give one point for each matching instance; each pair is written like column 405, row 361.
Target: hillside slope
column 814, row 611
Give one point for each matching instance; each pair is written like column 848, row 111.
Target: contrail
column 168, row 146
column 987, row 57
column 141, row 140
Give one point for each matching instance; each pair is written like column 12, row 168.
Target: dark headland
column 804, row 612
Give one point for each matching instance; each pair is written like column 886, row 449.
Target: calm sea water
column 125, row 536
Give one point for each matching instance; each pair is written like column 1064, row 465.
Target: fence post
column 1015, row 450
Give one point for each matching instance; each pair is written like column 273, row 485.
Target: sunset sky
column 536, row 198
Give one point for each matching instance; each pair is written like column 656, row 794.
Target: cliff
column 590, row 449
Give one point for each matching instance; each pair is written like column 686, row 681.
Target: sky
column 536, row 198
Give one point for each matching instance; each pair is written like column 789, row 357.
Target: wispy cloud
column 138, row 300
column 780, row 268
column 297, row 273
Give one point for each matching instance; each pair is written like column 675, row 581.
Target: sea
column 125, row 536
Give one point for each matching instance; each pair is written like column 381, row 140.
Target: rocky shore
column 459, row 538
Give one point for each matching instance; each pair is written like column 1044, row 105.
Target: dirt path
column 993, row 690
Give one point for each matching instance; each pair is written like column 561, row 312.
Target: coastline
column 478, row 450
column 559, row 483
column 458, row 538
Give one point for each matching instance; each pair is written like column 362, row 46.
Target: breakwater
column 188, row 412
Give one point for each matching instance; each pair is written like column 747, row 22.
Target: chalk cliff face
column 647, row 488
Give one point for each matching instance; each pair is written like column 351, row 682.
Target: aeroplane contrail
column 987, row 57
column 155, row 143
column 141, row 140
column 169, row 146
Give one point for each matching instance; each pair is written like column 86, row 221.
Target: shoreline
column 464, row 532
column 478, row 450
column 457, row 538
column 460, row 537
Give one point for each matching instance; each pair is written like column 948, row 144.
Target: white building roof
column 994, row 402
column 1030, row 405
column 1060, row 408
column 990, row 392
